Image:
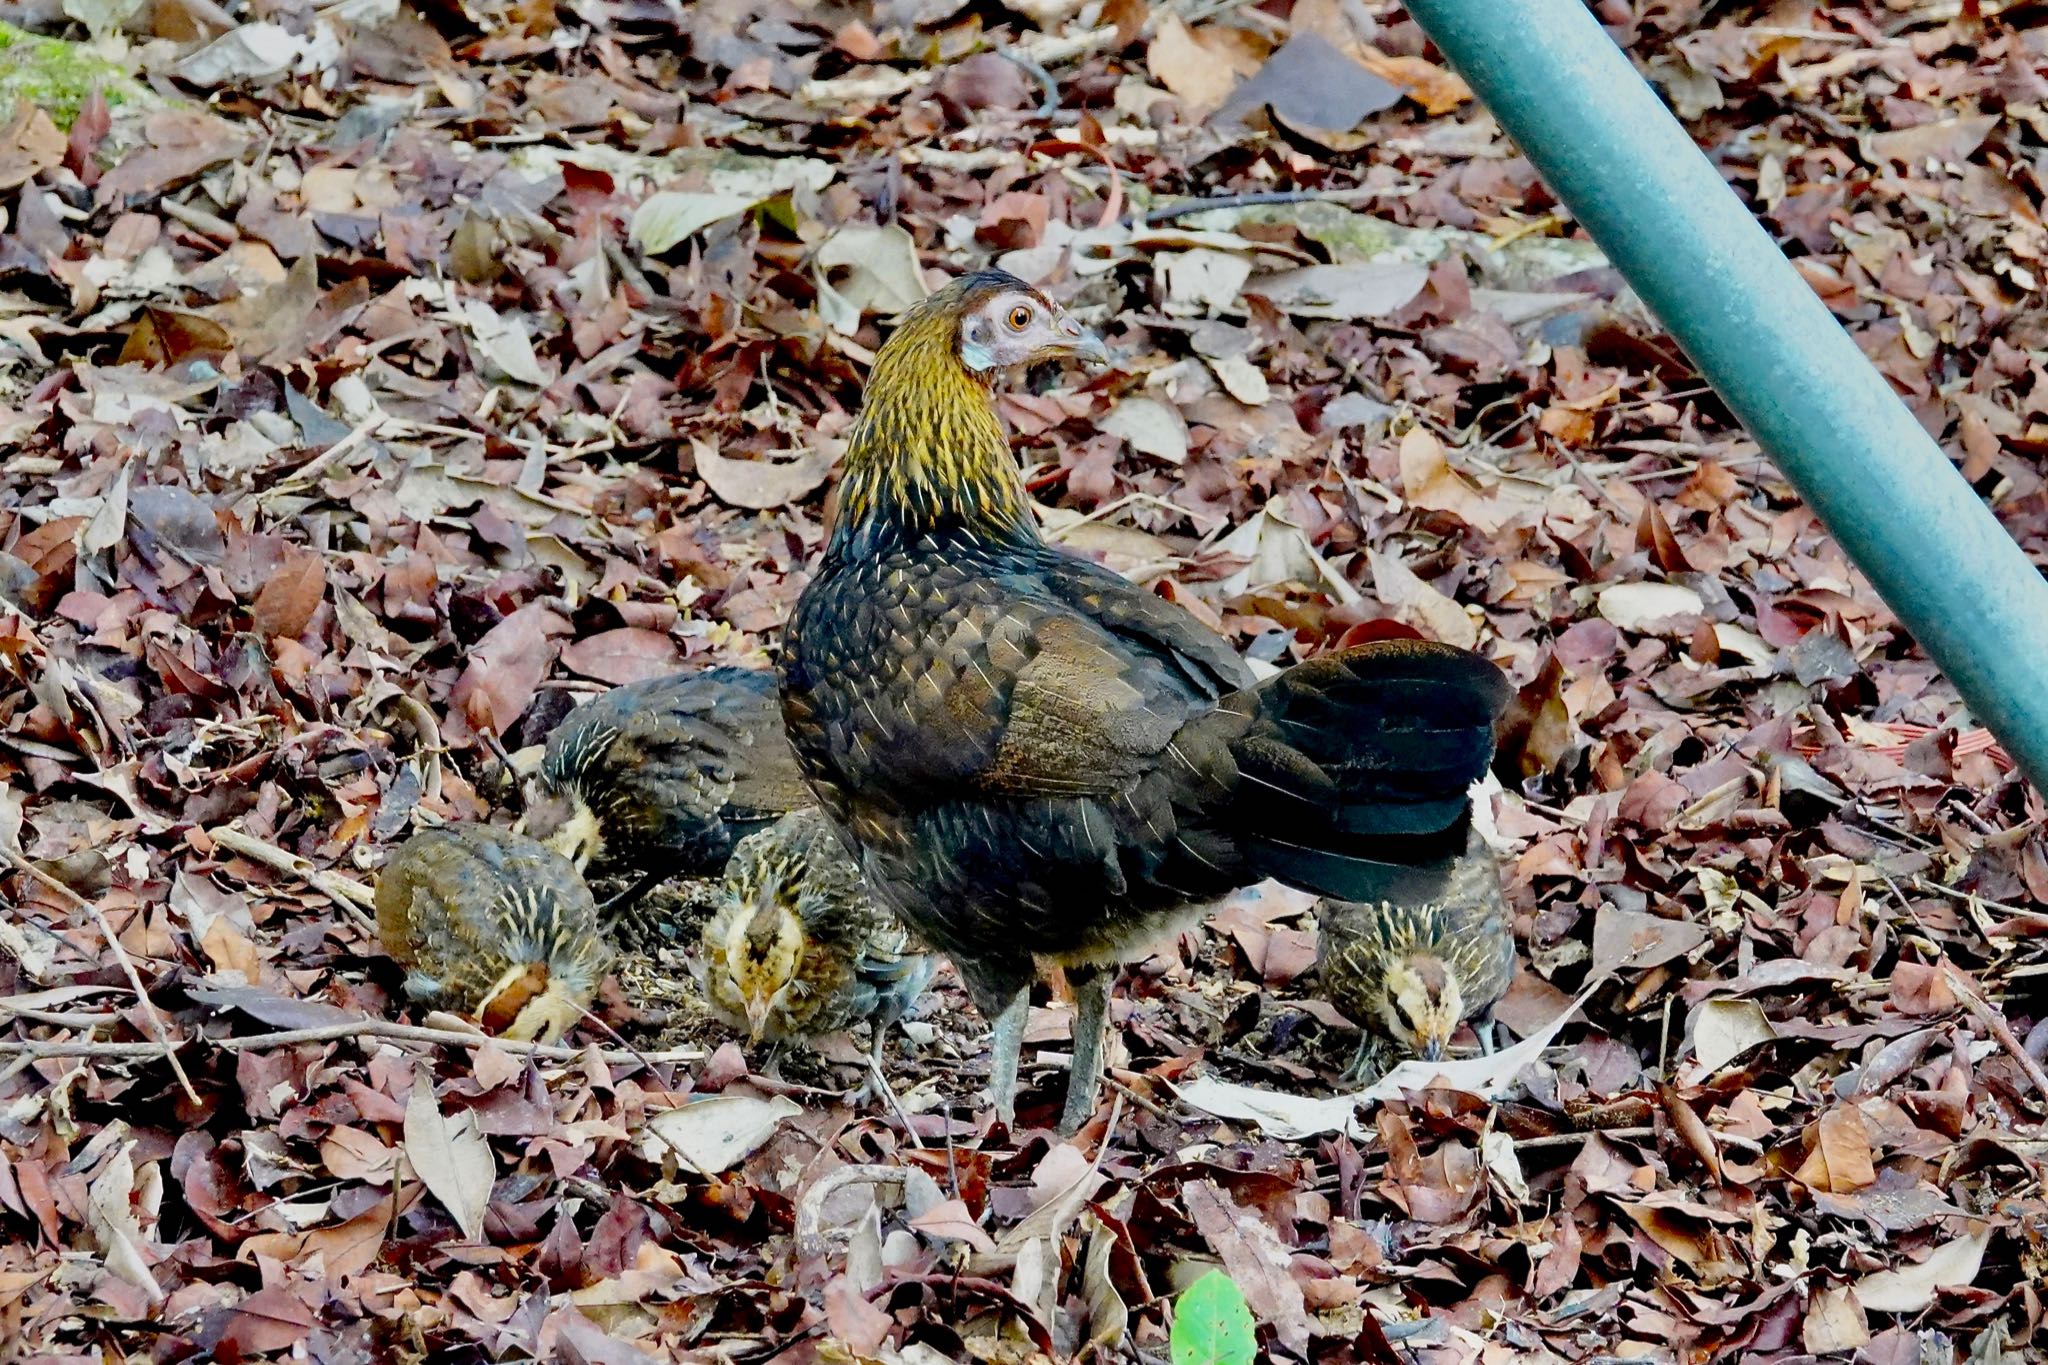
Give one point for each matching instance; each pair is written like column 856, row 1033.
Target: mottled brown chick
column 1046, row 765
column 1415, row 967
column 663, row 777
column 490, row 923
column 798, row 948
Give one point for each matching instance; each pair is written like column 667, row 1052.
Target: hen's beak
column 1073, row 340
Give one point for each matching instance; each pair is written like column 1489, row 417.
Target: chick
column 798, row 947
column 663, row 777
column 489, row 922
column 1417, row 966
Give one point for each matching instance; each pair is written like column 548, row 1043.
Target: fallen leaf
column 1343, row 292
column 1633, row 940
column 671, row 217
column 449, row 1155
column 1150, row 426
column 715, row 1134
column 285, row 604
column 1419, row 604
column 625, row 655
column 1312, row 88
column 760, row 484
column 29, row 145
column 1651, row 608
column 1911, row 1289
column 1840, row 1161
column 1199, row 66
column 1723, row 1030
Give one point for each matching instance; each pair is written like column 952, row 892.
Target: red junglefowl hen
column 1045, row 764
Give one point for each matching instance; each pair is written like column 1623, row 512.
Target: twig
column 1035, row 69
column 347, row 893
column 36, row 1049
column 366, row 1027
column 1993, row 1019
column 1186, row 208
column 156, row 1021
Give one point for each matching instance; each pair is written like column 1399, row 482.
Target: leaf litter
column 414, row 371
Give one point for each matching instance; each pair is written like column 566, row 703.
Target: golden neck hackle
column 928, row 452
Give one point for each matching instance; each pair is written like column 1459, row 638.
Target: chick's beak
column 1433, row 1048
column 757, row 1019
column 1074, row 340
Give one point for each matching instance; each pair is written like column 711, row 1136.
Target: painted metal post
column 1607, row 146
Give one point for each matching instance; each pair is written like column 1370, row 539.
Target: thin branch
column 156, row 1021
column 347, row 893
column 36, row 1049
column 367, row 1027
column 1187, row 208
column 1994, row 1021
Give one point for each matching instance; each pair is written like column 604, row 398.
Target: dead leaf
column 29, row 145
column 1633, row 940
column 625, row 655
column 761, row 484
column 1420, row 605
column 1343, row 292
column 713, row 1135
column 1149, row 426
column 1911, row 1289
column 1652, row 608
column 449, row 1155
column 1310, row 87
column 1200, row 66
column 1840, row 1162
column 505, row 669
column 284, row 606
column 1723, row 1030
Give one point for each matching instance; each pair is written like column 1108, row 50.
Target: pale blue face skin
column 1017, row 327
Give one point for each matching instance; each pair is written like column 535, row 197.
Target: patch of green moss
column 58, row 77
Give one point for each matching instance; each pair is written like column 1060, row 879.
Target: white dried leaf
column 882, row 274
column 1651, row 608
column 1911, row 1289
column 674, row 216
column 1343, row 292
column 1419, row 604
column 1723, row 1030
column 115, row 1229
column 714, row 1135
column 1200, row 282
column 1497, row 1149
column 1150, row 426
column 451, row 1158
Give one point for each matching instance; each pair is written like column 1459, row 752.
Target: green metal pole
column 1609, row 149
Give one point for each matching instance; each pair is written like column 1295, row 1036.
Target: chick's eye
column 1020, row 318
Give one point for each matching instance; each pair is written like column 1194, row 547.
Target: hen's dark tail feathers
column 1354, row 772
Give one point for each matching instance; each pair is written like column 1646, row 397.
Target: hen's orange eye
column 1020, row 318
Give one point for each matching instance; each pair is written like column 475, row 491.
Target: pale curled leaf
column 1911, row 1289
column 450, row 1156
column 714, row 1135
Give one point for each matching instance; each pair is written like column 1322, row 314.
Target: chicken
column 1417, row 966
column 1044, row 764
column 798, row 948
column 491, row 923
column 663, row 777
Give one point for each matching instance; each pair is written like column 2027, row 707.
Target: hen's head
column 1000, row 322
column 1421, row 1003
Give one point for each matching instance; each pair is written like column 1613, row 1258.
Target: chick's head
column 1421, row 1003
column 756, row 949
column 564, row 821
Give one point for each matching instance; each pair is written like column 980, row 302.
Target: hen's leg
column 1091, row 1027
column 626, row 899
column 1006, row 1040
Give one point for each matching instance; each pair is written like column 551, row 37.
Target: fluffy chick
column 491, row 923
column 1416, row 967
column 663, row 777
column 798, row 948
